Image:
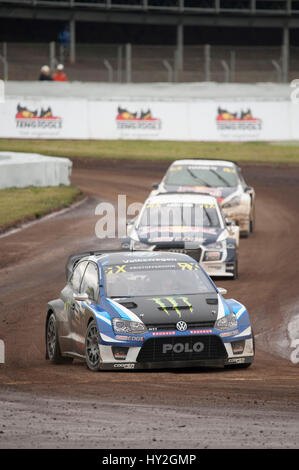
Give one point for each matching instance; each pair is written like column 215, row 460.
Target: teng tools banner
column 240, row 121
column 44, row 119
column 204, row 120
column 138, row 120
column 198, row 121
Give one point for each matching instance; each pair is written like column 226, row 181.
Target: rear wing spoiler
column 74, row 259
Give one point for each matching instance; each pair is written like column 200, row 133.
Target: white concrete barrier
column 195, row 111
column 18, row 170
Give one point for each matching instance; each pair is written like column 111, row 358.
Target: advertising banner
column 205, row 120
column 240, row 121
column 138, row 120
column 47, row 118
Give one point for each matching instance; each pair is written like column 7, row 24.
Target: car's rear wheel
column 252, row 223
column 52, row 342
column 236, row 269
column 92, row 350
column 245, row 233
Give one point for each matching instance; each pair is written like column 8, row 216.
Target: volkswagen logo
column 181, row 326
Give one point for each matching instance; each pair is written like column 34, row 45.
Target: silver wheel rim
column 92, row 346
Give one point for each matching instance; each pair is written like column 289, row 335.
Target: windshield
column 154, row 279
column 206, row 176
column 156, row 215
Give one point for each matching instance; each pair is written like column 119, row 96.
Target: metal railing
column 139, row 64
column 253, row 7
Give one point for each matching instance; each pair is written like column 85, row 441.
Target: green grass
column 262, row 152
column 22, row 204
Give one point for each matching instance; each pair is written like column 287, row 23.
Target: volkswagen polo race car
column 219, row 178
column 138, row 310
column 188, row 223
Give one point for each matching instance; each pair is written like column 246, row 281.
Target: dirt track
column 258, row 407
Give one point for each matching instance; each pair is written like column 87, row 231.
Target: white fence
column 168, row 117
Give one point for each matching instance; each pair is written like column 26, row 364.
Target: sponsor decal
column 179, row 348
column 67, row 306
column 124, row 366
column 127, row 120
column 188, row 267
column 173, row 229
column 237, row 121
column 239, row 360
column 129, row 338
column 37, row 119
column 173, row 304
column 115, row 269
column 217, row 267
column 201, row 189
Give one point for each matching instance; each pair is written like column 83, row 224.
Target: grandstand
column 152, row 40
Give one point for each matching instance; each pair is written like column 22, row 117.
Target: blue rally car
column 139, row 310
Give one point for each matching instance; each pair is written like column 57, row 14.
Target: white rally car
column 188, row 223
column 219, row 178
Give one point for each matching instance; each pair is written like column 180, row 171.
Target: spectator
column 59, row 75
column 64, row 38
column 45, row 73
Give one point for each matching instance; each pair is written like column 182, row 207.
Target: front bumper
column 179, row 350
column 221, row 269
column 175, row 364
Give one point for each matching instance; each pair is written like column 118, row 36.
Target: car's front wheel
column 52, row 342
column 92, row 350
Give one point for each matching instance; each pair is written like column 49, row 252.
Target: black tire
column 245, row 233
column 52, row 342
column 236, row 270
column 92, row 350
column 252, row 223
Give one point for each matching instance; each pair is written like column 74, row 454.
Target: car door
column 73, row 308
column 89, row 286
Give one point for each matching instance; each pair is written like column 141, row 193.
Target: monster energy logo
column 174, row 304
column 67, row 306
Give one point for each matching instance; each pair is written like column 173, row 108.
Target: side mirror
column 80, row 297
column 155, row 185
column 248, row 189
column 222, row 291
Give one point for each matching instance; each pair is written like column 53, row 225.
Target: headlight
column 213, row 252
column 127, row 326
column 141, row 246
column 227, row 323
column 235, row 201
column 212, row 256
